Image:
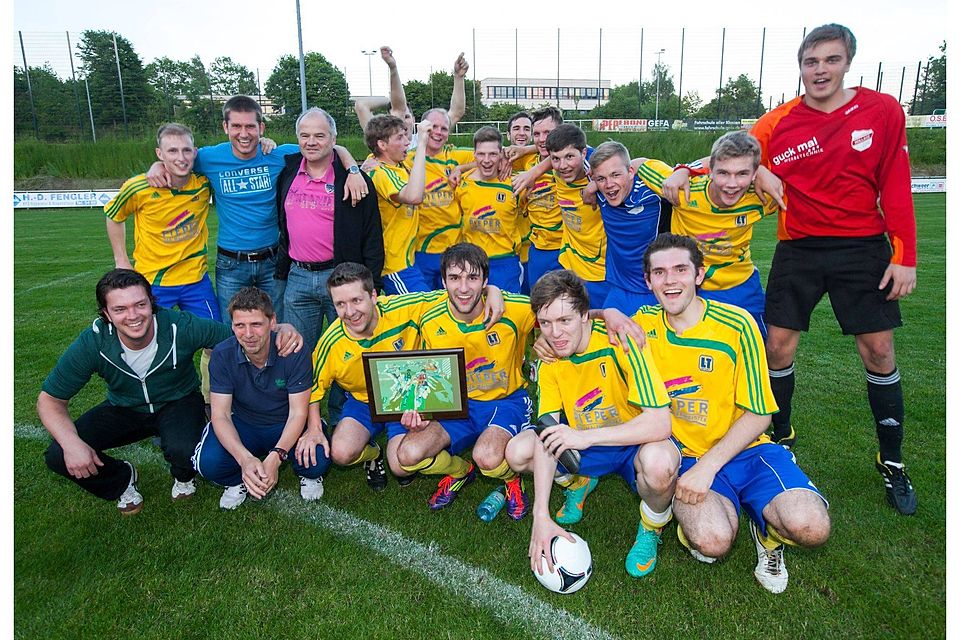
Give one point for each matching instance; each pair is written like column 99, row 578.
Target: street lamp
column 658, row 71
column 369, row 67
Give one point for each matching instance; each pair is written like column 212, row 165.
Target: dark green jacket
column 172, row 375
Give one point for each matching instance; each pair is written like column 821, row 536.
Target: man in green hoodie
column 144, row 354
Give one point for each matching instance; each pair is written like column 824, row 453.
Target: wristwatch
column 354, row 170
column 281, row 453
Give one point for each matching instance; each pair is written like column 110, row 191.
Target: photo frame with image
column 430, row 381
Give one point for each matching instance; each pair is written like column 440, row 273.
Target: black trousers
column 179, row 425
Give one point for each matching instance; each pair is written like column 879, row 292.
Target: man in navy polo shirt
column 258, row 406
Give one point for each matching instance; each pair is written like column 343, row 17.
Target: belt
column 249, row 256
column 314, row 266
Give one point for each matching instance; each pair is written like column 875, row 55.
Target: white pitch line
column 507, row 602
column 56, row 282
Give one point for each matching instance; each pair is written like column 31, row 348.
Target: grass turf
column 186, row 570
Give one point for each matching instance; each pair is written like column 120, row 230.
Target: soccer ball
column 572, row 565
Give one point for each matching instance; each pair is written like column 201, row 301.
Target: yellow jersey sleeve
column 399, row 220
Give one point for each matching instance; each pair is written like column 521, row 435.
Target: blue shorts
column 407, row 281
column 506, row 273
column 629, row 302
column 512, row 414
column 353, row 408
column 600, row 461
column 198, row 298
column 540, row 261
column 429, row 266
column 598, row 290
column 755, row 476
column 748, row 295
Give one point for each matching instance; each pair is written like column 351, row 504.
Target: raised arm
column 458, row 100
column 398, row 99
column 412, row 192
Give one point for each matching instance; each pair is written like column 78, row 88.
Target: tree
column 932, row 92
column 738, row 99
column 326, row 88
column 54, row 100
column 630, row 101
column 98, row 65
column 501, row 111
column 168, row 80
column 229, row 78
column 436, row 92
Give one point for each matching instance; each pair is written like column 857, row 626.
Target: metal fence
column 698, row 60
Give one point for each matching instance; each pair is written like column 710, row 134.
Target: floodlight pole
column 369, row 68
column 656, row 109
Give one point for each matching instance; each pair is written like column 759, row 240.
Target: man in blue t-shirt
column 259, row 404
column 244, row 183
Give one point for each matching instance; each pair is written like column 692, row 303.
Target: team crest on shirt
column 861, row 139
column 493, row 339
column 280, row 382
column 501, row 197
column 195, row 199
column 706, row 363
column 398, row 344
column 328, row 187
column 740, row 221
column 603, row 369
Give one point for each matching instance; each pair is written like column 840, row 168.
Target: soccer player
column 244, row 180
column 519, row 133
column 144, row 355
column 630, row 211
column 367, row 323
column 546, row 222
column 498, row 403
column 397, row 102
column 720, row 213
column 619, row 421
column 170, row 227
column 584, row 245
column 491, row 211
column 439, row 218
column 711, row 356
column 854, row 238
column 399, row 193
column 259, row 409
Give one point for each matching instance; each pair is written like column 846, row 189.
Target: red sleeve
column 893, row 180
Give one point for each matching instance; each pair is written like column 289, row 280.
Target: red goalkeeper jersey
column 846, row 173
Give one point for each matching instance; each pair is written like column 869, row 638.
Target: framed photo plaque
column 432, row 382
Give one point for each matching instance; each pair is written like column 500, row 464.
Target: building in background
column 573, row 95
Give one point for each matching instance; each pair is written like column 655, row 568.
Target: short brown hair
column 381, row 127
column 242, row 104
column 173, row 129
column 348, row 272
column 467, row 256
column 251, row 299
column 735, row 144
column 558, row 284
column 487, row 134
column 668, row 240
column 828, row 33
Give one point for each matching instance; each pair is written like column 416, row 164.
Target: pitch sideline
column 507, row 602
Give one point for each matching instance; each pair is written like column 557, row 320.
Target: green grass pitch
column 360, row 565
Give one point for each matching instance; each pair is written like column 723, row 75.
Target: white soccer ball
column 572, row 565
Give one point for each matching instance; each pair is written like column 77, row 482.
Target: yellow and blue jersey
column 713, row 372
column 439, row 224
column 338, row 355
column 546, row 223
column 170, row 228
column 493, row 356
column 399, row 220
column 584, row 246
column 491, row 215
column 723, row 234
column 603, row 386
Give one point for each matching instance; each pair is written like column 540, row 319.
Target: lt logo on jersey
column 706, row 363
column 603, row 369
column 741, row 220
column 493, row 339
column 501, row 197
column 398, row 344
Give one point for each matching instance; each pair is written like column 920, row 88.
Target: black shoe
column 900, row 493
column 787, row 441
column 406, row 481
column 376, row 474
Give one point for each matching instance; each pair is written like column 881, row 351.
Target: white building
column 580, row 95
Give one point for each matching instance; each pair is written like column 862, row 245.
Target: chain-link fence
column 584, row 71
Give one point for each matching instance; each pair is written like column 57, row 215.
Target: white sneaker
column 182, row 490
column 686, row 545
column 771, row 571
column 233, row 496
column 131, row 502
column 311, row 489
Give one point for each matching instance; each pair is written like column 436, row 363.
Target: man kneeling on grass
column 144, row 354
column 258, row 404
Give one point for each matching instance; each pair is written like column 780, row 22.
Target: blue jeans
column 306, row 303
column 217, row 465
column 232, row 275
